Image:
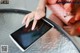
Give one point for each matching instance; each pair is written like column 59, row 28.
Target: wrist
column 42, row 9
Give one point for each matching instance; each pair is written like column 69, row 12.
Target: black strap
column 45, row 11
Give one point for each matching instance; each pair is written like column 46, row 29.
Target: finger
column 24, row 19
column 34, row 24
column 72, row 31
column 36, row 18
column 77, row 17
column 67, row 27
column 29, row 19
column 27, row 22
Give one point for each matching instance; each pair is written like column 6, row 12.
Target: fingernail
column 26, row 26
column 77, row 19
column 32, row 28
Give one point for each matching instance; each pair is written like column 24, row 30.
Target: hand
column 36, row 15
column 73, row 29
column 77, row 15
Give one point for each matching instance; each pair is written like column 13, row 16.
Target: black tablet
column 24, row 37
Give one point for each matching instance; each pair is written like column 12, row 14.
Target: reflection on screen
column 25, row 36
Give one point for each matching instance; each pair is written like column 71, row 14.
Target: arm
column 61, row 13
column 41, row 5
column 37, row 14
column 60, row 10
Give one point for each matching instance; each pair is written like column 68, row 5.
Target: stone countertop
column 46, row 44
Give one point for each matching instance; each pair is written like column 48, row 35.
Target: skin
column 37, row 14
column 40, row 12
column 74, row 29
